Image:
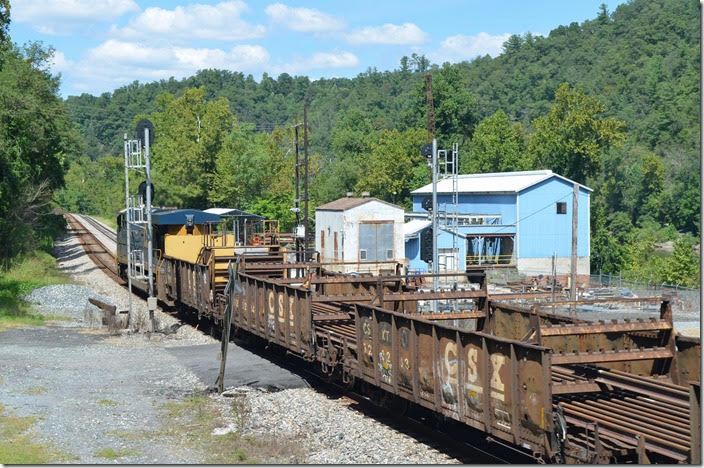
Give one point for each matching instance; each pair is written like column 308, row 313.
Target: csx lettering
column 472, row 374
column 282, row 320
column 497, row 360
column 451, row 361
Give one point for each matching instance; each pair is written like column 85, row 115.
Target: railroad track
column 102, row 255
column 102, row 228
column 604, row 411
column 421, row 426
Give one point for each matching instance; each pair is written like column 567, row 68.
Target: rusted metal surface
column 695, row 422
column 451, row 315
column 566, row 389
column 603, row 327
column 490, row 383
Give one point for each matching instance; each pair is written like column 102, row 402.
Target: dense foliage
column 612, row 103
column 36, row 139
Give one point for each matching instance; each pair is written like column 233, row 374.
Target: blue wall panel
column 496, row 204
column 541, row 230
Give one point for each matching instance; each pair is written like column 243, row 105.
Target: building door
column 376, row 241
column 448, row 259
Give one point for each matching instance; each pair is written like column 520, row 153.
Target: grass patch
column 17, row 444
column 107, row 403
column 111, row 222
column 35, row 390
column 112, row 454
column 192, row 420
column 26, row 273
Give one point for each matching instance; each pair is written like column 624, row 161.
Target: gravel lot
column 91, row 391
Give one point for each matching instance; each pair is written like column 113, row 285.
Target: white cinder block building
column 363, row 235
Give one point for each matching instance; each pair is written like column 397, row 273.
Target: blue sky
column 104, row 44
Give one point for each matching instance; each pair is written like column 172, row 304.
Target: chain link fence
column 683, row 299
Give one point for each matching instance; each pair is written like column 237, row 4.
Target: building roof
column 178, row 217
column 497, row 182
column 346, row 203
column 414, row 226
column 232, row 212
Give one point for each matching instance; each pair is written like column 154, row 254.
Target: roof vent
column 365, row 194
column 350, row 194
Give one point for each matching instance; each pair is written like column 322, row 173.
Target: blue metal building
column 509, row 218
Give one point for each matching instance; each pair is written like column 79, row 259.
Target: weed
column 112, row 454
column 17, row 445
column 35, row 390
column 25, row 274
column 108, row 403
column 192, row 421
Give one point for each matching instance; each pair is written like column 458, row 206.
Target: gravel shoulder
column 135, row 398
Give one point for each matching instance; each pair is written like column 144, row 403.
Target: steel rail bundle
column 557, row 388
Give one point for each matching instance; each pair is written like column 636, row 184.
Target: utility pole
column 137, row 158
column 573, row 262
column 297, row 204
column 151, row 300
column 305, row 176
column 430, row 106
column 435, row 220
column 126, row 219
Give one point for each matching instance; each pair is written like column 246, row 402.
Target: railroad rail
column 100, row 252
column 556, row 388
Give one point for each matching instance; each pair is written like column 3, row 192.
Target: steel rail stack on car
column 558, row 389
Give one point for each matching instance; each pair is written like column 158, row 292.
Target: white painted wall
column 328, row 222
column 533, row 266
column 346, row 223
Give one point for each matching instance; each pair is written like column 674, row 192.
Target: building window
column 362, row 254
column 561, row 207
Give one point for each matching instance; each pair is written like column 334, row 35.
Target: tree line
column 37, row 141
column 611, row 102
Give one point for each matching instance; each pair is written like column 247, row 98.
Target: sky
column 101, row 45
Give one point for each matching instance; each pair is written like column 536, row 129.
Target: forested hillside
column 612, row 102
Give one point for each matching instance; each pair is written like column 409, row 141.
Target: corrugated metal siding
column 497, row 204
column 542, row 230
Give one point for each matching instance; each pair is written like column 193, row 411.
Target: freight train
column 555, row 388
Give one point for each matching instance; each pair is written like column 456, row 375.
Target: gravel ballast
column 92, row 392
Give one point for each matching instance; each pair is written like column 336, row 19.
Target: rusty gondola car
column 556, row 388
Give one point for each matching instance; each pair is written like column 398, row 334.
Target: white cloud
column 195, row 21
column 114, row 63
column 63, row 16
column 320, row 60
column 59, row 63
column 463, row 47
column 303, row 19
column 405, row 34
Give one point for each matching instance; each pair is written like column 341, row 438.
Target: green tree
column 682, row 267
column 36, row 139
column 573, row 137
column 190, row 132
column 609, row 240
column 497, row 146
column 4, row 24
column 395, row 166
